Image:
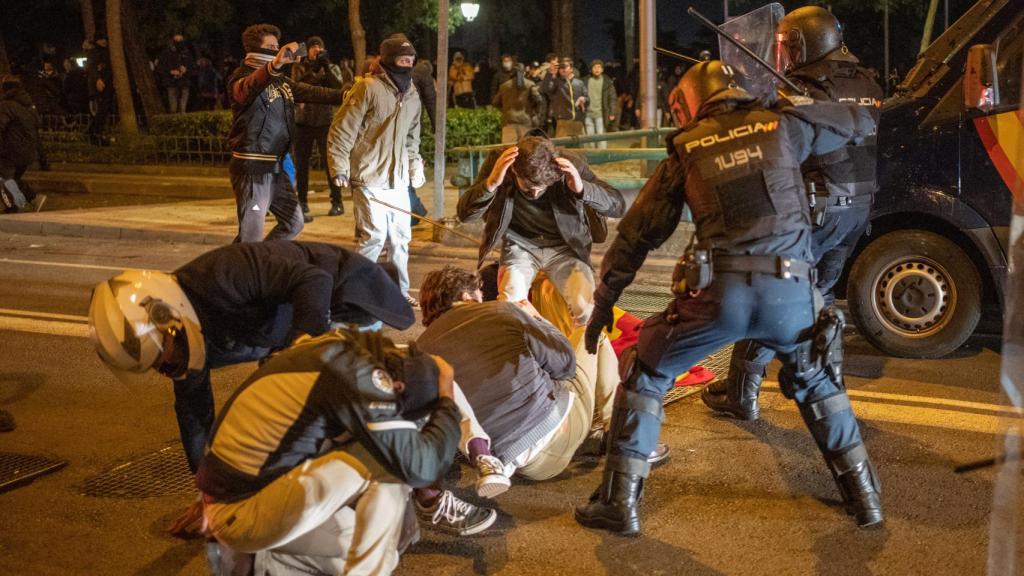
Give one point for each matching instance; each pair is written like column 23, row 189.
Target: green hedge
column 465, row 127
column 174, row 138
column 212, row 123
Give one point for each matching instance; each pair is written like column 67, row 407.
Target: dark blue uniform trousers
column 832, row 243
column 776, row 312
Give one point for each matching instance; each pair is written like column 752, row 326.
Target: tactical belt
column 778, row 266
column 844, row 201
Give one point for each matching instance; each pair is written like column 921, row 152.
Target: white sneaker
column 491, row 479
column 454, row 516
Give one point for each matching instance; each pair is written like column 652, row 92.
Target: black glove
column 602, row 318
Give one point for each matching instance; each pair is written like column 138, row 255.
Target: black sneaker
column 306, row 216
column 337, row 209
column 454, row 516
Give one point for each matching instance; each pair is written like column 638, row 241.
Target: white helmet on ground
column 130, row 314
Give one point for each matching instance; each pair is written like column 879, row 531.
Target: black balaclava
column 390, row 49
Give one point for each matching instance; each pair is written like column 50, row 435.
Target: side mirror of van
column 981, row 82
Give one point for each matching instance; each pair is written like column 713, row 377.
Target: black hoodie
column 19, row 128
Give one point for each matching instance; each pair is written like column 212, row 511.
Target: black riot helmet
column 709, row 81
column 809, row 34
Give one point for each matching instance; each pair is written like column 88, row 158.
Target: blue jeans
column 193, row 397
column 776, row 312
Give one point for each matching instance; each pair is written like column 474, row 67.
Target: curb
column 423, row 249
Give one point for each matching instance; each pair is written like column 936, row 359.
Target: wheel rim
column 914, row 297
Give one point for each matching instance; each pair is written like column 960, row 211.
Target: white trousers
column 378, row 227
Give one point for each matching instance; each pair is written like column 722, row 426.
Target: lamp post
column 470, row 10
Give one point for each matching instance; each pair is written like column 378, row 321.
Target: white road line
column 43, row 315
column 63, row 264
column 51, row 327
column 938, row 402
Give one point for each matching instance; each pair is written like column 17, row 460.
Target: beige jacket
column 375, row 136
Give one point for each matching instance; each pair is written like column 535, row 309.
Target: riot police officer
column 840, row 184
column 736, row 165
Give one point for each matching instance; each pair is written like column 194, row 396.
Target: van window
column 1008, row 63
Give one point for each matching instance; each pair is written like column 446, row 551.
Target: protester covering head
column 535, row 165
column 391, row 49
column 441, row 289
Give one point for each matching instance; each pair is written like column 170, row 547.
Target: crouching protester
column 270, row 489
column 529, row 396
column 234, row 304
column 544, row 205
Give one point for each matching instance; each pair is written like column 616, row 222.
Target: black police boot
column 614, row 505
column 736, row 395
column 862, row 493
column 858, row 483
column 337, row 209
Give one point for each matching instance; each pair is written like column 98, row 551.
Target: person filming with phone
column 263, row 98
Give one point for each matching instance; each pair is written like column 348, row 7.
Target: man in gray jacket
column 520, row 103
column 374, row 145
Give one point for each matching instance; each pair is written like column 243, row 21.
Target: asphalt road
column 733, row 499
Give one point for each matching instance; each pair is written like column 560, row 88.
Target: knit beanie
column 394, row 46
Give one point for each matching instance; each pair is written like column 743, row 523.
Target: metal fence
column 65, row 139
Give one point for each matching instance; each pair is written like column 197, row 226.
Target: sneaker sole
column 493, row 487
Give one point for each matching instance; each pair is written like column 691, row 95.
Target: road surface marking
column 52, row 327
column 63, row 264
column 945, row 414
column 43, row 315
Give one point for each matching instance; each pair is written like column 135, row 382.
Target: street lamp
column 470, row 10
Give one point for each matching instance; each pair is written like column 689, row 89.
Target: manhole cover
column 161, row 473
column 16, row 469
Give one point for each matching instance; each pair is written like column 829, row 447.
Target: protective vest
column 743, row 183
column 849, row 171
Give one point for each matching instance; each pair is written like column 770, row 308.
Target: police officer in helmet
column 841, row 184
column 748, row 275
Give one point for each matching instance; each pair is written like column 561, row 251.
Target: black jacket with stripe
column 320, row 389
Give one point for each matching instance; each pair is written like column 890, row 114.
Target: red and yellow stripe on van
column 1003, row 137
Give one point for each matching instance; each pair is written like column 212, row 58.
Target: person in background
column 174, row 66
column 460, row 77
column 520, row 103
column 101, row 90
column 567, row 98
column 210, row 84
column 504, row 73
column 75, row 88
column 19, row 133
column 601, row 113
column 312, row 122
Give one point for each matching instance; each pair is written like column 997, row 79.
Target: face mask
column 267, row 51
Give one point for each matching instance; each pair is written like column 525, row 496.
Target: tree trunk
column 562, row 24
column 358, row 35
column 119, row 69
column 929, row 25
column 88, row 20
column 5, row 64
column 138, row 63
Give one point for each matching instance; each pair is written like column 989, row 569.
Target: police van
column 950, row 149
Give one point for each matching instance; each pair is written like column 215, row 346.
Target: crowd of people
column 310, row 464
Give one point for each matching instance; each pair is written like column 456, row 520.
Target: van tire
column 914, row 294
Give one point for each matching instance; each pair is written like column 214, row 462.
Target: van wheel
column 914, row 294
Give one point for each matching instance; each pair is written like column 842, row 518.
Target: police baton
column 430, row 221
column 677, row 55
column 711, row 25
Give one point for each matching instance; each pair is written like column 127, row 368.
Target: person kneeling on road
column 269, row 489
column 530, row 397
column 235, row 304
